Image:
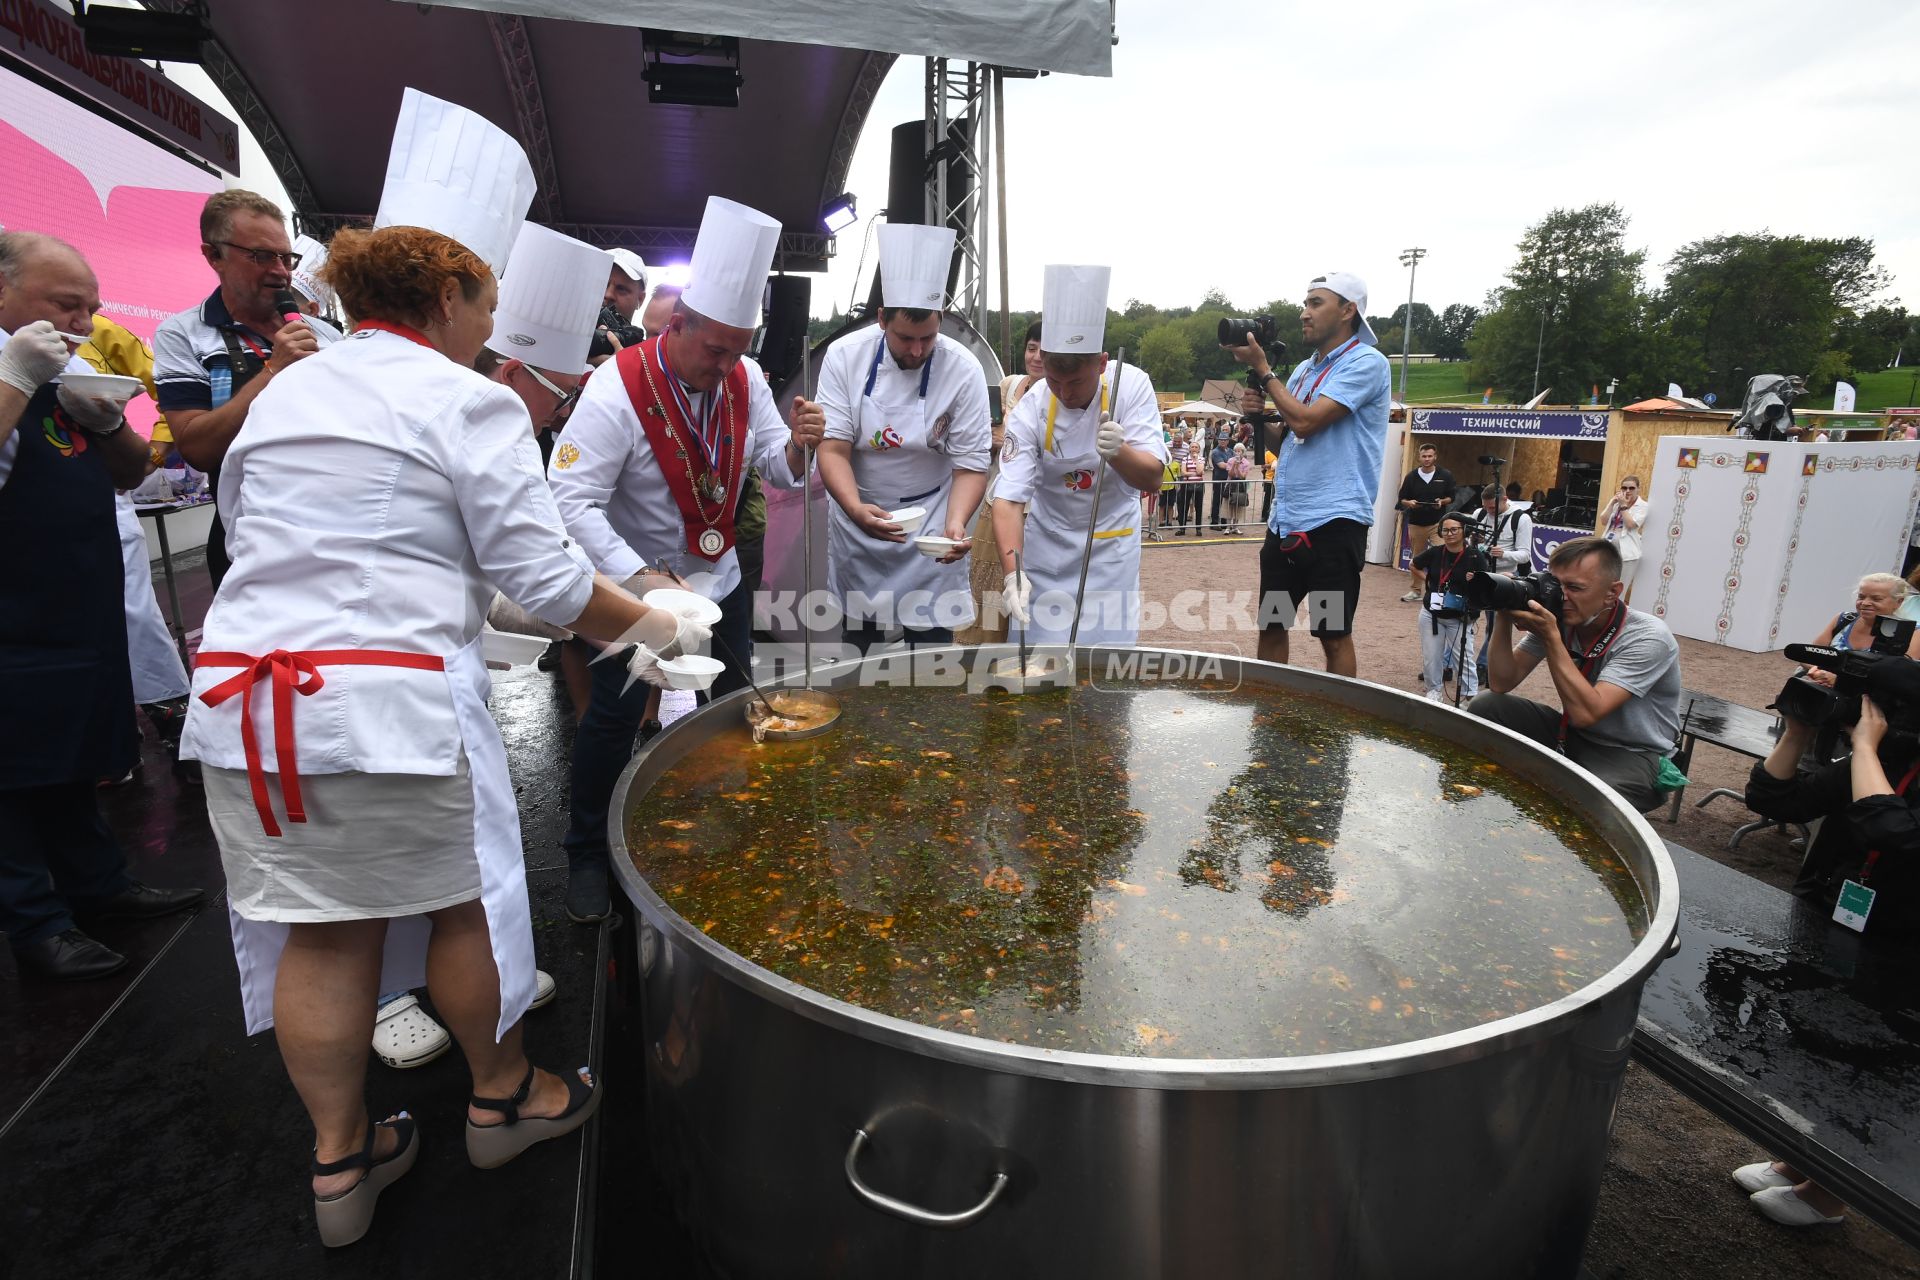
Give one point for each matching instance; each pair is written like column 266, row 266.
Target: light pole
column 1411, row 261
column 1540, row 343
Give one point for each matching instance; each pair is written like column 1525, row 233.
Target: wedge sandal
column 490, row 1146
column 345, row 1216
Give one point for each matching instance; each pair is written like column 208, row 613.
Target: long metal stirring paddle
column 1093, row 521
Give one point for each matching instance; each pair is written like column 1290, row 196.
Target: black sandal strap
column 361, row 1159
column 509, row 1106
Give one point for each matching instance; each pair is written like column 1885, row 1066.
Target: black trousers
column 868, row 636
column 603, row 742
column 56, row 852
column 1219, row 487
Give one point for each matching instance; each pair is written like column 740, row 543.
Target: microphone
column 288, row 306
column 1488, row 460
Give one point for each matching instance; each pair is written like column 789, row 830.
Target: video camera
column 1236, row 331
column 1511, row 591
column 1882, row 672
column 629, row 335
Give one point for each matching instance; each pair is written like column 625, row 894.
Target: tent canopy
column 319, row 85
column 1198, row 409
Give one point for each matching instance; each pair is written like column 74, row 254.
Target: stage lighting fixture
column 142, row 33
column 839, row 213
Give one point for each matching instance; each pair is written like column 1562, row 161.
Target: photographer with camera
column 1617, row 670
column 626, row 290
column 1863, row 866
column 1336, row 408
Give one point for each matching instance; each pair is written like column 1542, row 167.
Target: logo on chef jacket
column 521, row 339
column 566, row 455
column 885, row 438
column 64, row 440
column 1078, row 481
column 1011, row 449
column 938, row 434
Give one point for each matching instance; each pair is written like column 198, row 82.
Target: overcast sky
column 1362, row 129
column 1372, row 127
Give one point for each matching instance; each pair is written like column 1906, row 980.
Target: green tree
column 1570, row 307
column 1454, row 328
column 1167, row 356
column 1426, row 328
column 1872, row 338
column 1739, row 305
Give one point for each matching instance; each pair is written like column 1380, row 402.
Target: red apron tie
column 290, row 673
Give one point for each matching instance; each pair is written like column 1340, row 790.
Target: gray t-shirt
column 1645, row 661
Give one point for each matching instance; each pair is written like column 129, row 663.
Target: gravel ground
column 1667, row 1206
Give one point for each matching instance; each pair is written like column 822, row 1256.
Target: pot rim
column 1574, row 785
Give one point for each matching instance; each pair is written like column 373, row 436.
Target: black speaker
column 783, row 347
column 907, row 174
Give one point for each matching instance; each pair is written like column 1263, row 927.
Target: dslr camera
column 1883, row 672
column 630, row 335
column 1513, row 591
column 1235, row 331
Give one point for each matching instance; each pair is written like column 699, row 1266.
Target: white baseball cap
column 1354, row 290
column 631, row 265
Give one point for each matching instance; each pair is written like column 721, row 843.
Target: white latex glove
column 33, row 357
column 668, row 635
column 1017, row 593
column 93, row 413
column 1110, row 440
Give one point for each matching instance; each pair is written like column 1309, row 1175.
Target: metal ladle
column 823, row 705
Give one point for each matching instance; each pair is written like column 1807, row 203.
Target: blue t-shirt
column 1335, row 473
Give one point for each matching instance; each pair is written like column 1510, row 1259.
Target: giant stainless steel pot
column 803, row 1136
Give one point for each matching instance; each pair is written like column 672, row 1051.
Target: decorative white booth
column 1757, row 544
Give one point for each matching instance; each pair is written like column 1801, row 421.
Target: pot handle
column 913, row 1213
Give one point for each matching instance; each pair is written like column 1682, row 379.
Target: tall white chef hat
column 457, row 173
column 549, row 301
column 1073, row 310
column 913, row 265
column 731, row 258
column 306, row 276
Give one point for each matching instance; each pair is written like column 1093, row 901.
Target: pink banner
column 131, row 208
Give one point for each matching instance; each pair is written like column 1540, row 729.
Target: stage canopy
column 319, row 85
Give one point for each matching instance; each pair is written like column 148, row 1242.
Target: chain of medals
column 708, row 486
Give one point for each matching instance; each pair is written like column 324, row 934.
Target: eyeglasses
column 262, row 257
column 565, row 399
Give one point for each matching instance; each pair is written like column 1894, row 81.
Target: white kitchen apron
column 1056, row 537
column 157, row 671
column 896, row 464
column 503, row 877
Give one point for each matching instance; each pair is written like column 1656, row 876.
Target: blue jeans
column 55, row 850
column 603, row 743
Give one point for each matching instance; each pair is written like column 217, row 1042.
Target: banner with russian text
column 1540, row 424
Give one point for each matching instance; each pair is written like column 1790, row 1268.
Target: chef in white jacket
column 355, row 781
column 647, row 475
column 907, row 426
column 1093, row 415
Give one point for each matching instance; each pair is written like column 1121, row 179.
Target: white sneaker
column 1436, row 695
column 1789, row 1210
column 543, row 989
column 404, row 1036
column 1410, row 597
column 1758, row 1177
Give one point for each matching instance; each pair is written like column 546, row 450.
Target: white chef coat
column 375, row 497
column 157, row 671
column 906, row 447
column 614, row 499
column 1054, row 472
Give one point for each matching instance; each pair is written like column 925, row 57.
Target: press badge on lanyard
column 1856, row 899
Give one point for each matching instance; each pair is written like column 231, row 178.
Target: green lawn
column 1426, row 384
column 1888, row 388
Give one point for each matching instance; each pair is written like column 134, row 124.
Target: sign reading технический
column 1545, row 424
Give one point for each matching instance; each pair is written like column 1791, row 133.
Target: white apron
column 503, row 876
column 896, row 465
column 157, row 671
column 1056, row 537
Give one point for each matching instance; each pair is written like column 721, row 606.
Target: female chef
column 379, row 494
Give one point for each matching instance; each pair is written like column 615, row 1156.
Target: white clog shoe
column 405, row 1036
